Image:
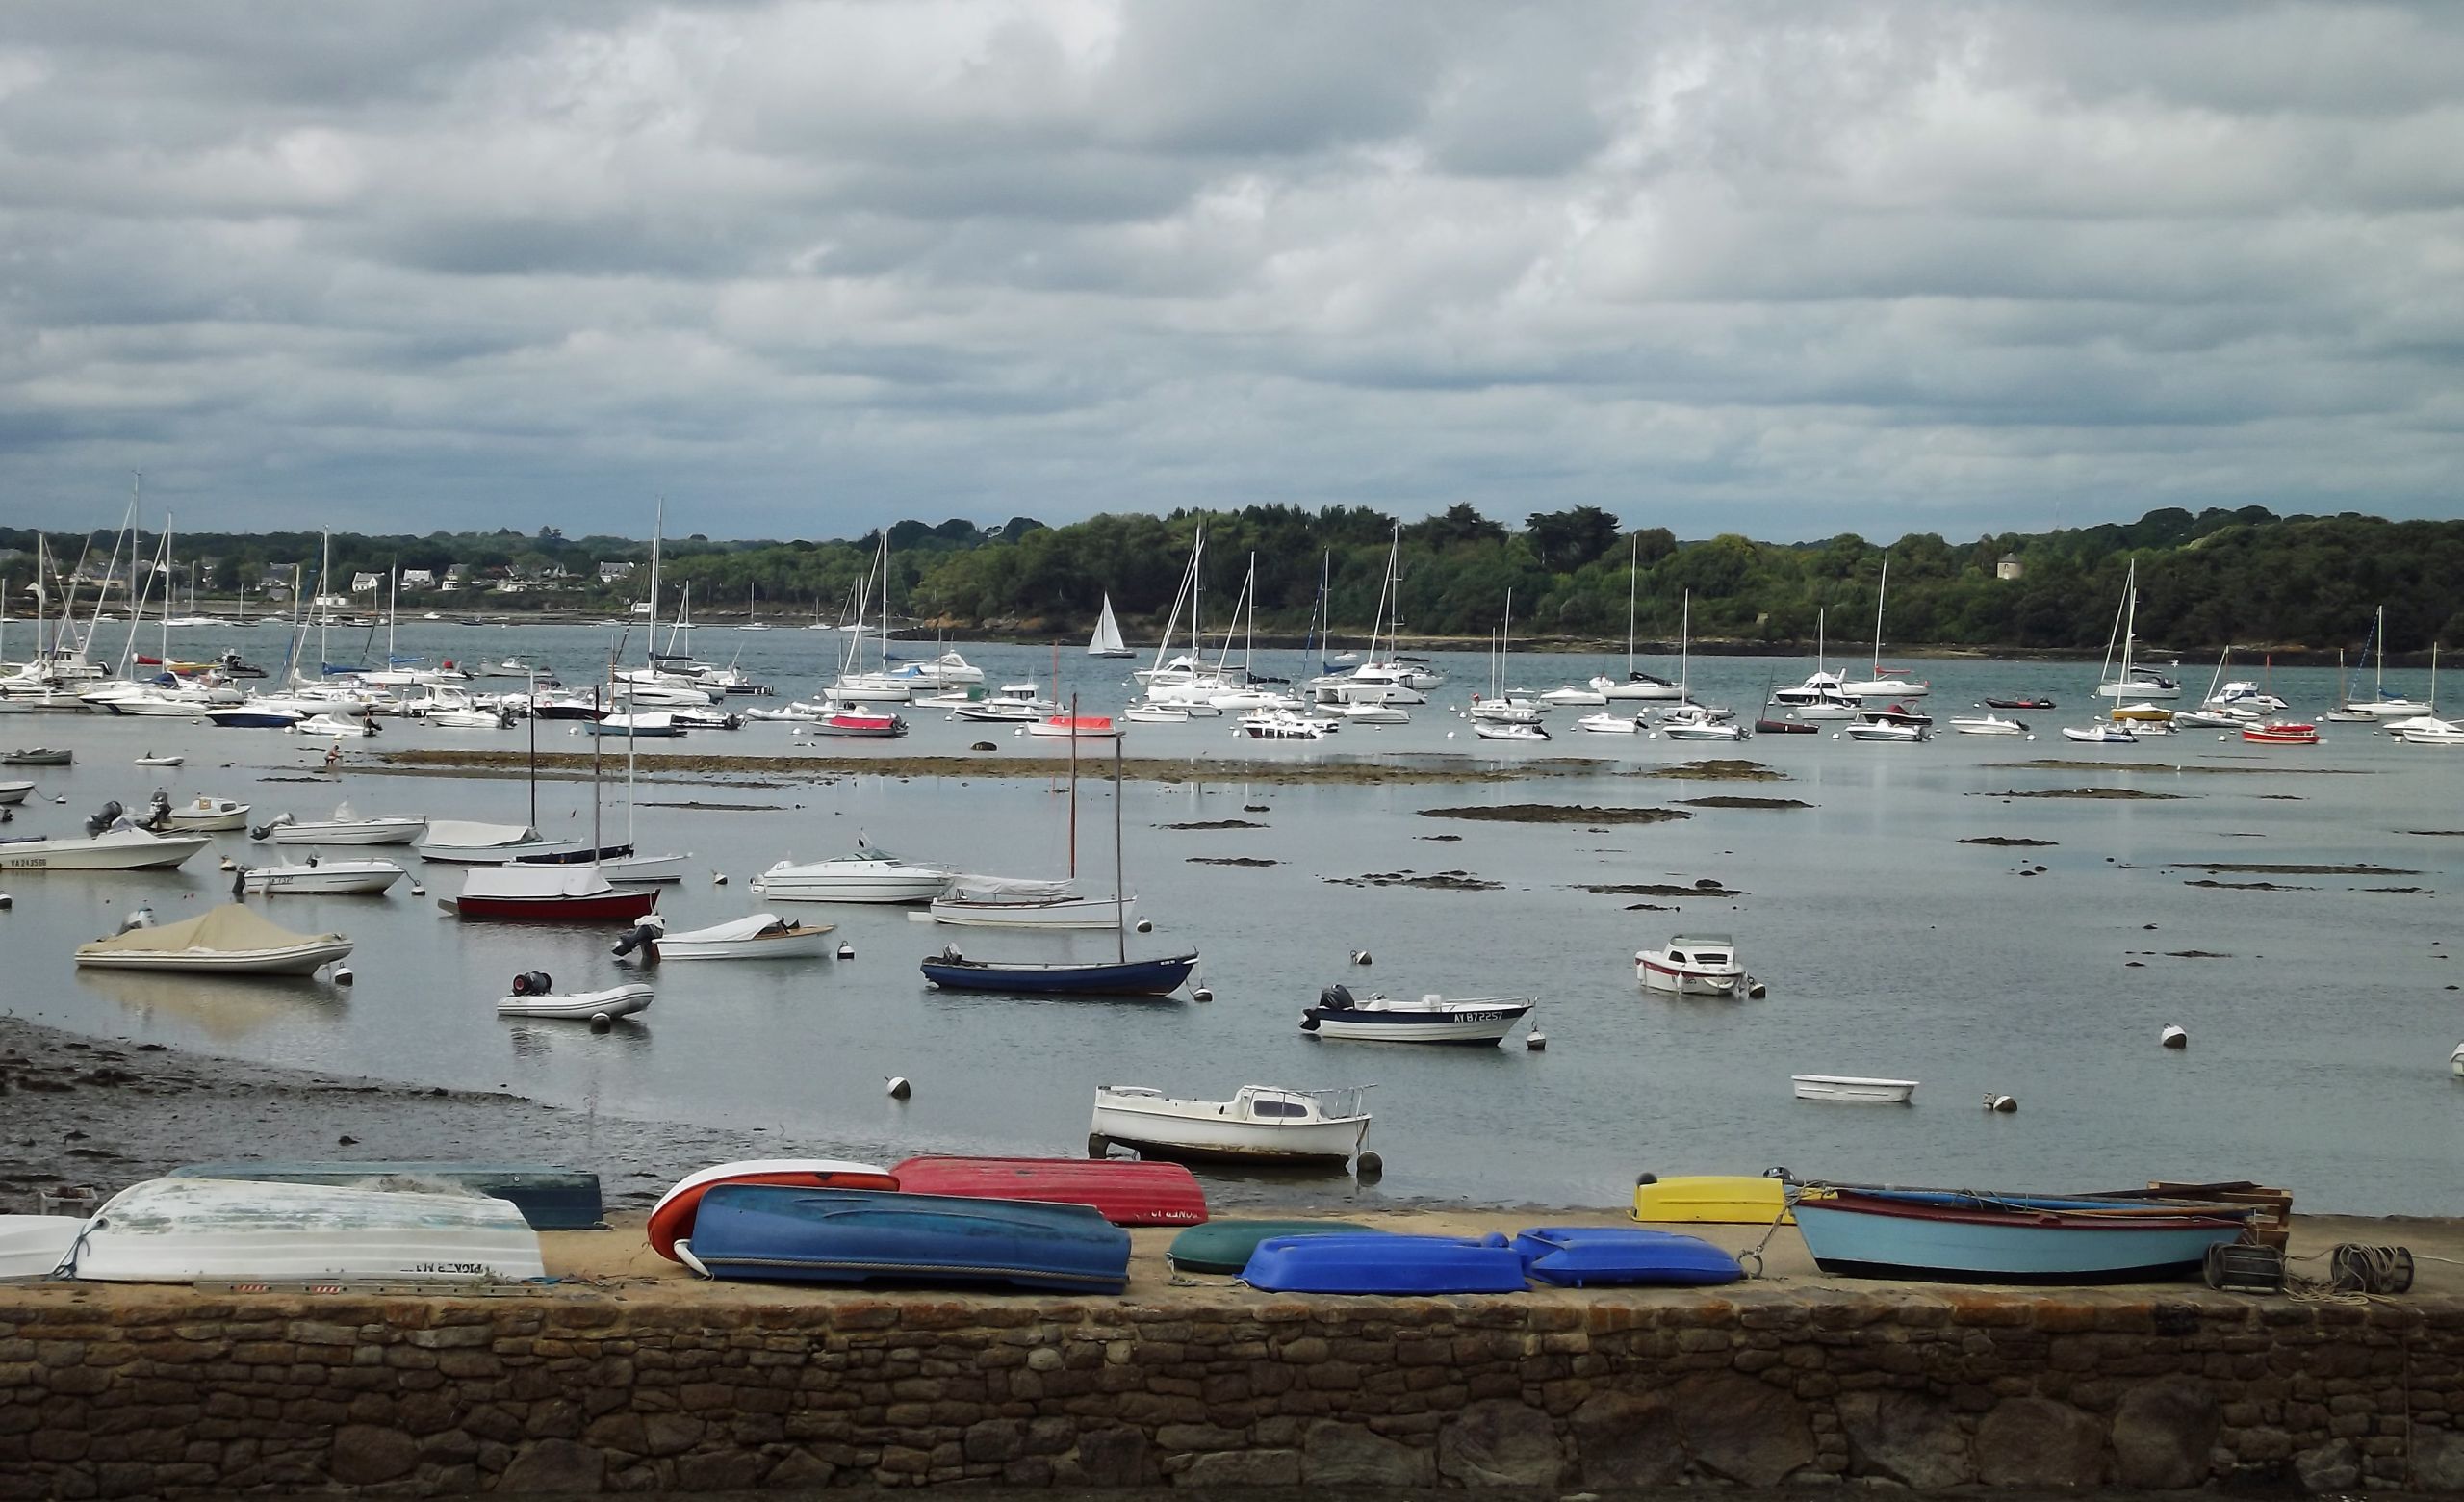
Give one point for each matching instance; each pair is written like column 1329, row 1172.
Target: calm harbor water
column 2321, row 1014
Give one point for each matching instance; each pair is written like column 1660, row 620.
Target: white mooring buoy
column 2000, row 1102
column 2173, row 1037
column 1360, row 956
column 343, row 975
column 1535, row 1041
column 899, row 1089
column 846, row 951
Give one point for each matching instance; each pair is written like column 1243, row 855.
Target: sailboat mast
column 1634, row 570
column 1881, row 592
column 1685, row 649
column 1121, row 883
column 1073, row 784
column 169, row 585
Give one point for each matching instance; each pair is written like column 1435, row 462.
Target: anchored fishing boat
column 1693, row 965
column 1260, row 1122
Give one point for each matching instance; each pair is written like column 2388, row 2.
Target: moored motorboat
column 872, row 874
column 763, row 936
column 2281, row 733
column 149, row 758
column 950, row 971
column 1611, row 723
column 1380, row 1263
column 187, row 1229
column 38, row 755
column 1853, row 1088
column 1432, row 1018
column 1260, row 1122
column 1969, row 1236
column 120, row 846
column 780, row 1232
column 532, row 997
column 1887, row 731
column 228, row 941
column 1987, row 725
column 2037, row 702
column 322, row 878
column 1508, row 730
column 1124, row 1191
column 1764, row 725
column 344, row 828
column 208, row 813
column 1694, row 964
column 671, row 1219
column 549, row 1198
column 14, row 791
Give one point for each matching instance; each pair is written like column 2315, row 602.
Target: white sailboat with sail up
column 1106, row 642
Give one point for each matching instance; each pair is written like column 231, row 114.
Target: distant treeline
column 2244, row 576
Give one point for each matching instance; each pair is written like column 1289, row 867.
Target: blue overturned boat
column 1606, row 1256
column 950, row 971
column 1974, row 1236
column 1382, row 1264
column 549, row 1198
column 780, row 1232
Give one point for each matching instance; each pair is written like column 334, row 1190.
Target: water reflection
column 220, row 1007
column 532, row 1039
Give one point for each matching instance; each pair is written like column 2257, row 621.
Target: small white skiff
column 14, row 791
column 229, row 940
column 209, row 813
column 589, row 1007
column 1258, row 1122
column 324, row 878
column 343, row 829
column 1987, row 725
column 765, row 936
column 187, row 1229
column 1853, row 1090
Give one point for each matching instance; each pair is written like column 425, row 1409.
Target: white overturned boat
column 1260, row 1122
column 1006, row 902
column 208, row 813
column 1694, row 964
column 344, row 828
column 33, row 1246
column 464, row 842
column 322, row 878
column 871, row 874
column 122, row 847
column 229, row 940
column 765, row 936
column 192, row 1229
column 1432, row 1018
column 530, row 997
column 1853, row 1088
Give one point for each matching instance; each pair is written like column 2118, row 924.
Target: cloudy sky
column 802, row 268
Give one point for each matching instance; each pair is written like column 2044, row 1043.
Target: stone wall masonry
column 190, row 1394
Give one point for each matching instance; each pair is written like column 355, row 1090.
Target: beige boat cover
column 229, row 929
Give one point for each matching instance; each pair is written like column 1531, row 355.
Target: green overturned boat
column 1224, row 1246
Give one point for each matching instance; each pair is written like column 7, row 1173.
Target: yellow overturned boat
column 1714, row 1198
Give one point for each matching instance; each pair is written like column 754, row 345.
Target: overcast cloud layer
column 1781, row 269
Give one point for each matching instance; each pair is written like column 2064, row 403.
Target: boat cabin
column 1708, row 950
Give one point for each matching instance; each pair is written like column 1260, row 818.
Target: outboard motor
column 645, row 938
column 104, row 817
column 159, row 815
column 1335, row 998
column 265, row 831
column 531, row 983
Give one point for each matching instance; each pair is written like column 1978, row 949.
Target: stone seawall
column 121, row 1393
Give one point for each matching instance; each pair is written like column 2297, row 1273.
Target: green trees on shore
column 2245, row 576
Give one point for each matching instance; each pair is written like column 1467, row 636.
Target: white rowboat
column 1853, row 1090
column 187, row 1229
column 765, row 936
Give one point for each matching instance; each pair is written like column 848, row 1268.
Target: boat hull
column 1712, row 1198
column 1613, row 1256
column 1062, row 913
column 612, row 907
column 589, row 1007
column 671, row 1217
column 372, row 832
column 774, row 1233
column 186, row 1230
column 1225, row 1247
column 1958, row 1236
column 152, row 852
column 1384, row 1264
column 549, row 1198
column 1852, row 1090
column 334, row 878
column 1138, row 1123
column 796, row 943
column 1472, row 1023
column 1123, row 1192
column 1117, row 978
column 301, row 959
column 215, row 817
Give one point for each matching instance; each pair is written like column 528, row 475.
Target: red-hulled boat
column 860, row 722
column 2281, row 733
column 549, row 895
column 1077, row 727
column 672, row 1218
column 1122, row 1191
column 1781, row 727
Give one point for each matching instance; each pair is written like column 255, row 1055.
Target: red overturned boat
column 672, row 1218
column 548, row 894
column 1122, row 1191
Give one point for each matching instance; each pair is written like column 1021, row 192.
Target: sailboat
column 1119, row 976
column 751, row 623
column 1106, row 642
column 1887, row 683
column 877, row 686
column 1636, row 684
column 1689, row 721
column 2126, row 620
column 1386, row 677
column 1505, row 716
column 1824, row 695
column 2379, row 706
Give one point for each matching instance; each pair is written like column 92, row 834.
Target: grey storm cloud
column 804, row 266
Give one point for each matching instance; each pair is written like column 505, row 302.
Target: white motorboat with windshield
column 1021, row 902
column 763, row 936
column 322, row 878
column 1694, row 964
column 1572, row 696
column 939, row 672
column 1609, row 722
column 228, row 941
column 206, row 813
column 117, row 846
column 344, row 828
column 1159, row 713
column 871, row 874
column 185, row 1230
column 1019, row 702
column 1432, row 1018
column 1508, row 729
column 1853, row 1088
column 1987, row 725
column 1509, row 708
column 1280, row 724
column 1704, row 729
column 1260, row 1122
column 1889, row 731
column 1367, row 714
column 1824, row 694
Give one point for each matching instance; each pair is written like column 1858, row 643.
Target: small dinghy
column 187, row 1229
column 33, row 1246
column 1266, row 1122
column 765, row 936
column 1968, row 1236
column 1122, row 1191
column 1613, row 1256
column 1225, row 1246
column 533, row 998
column 672, row 1218
column 779, row 1233
column 229, row 940
column 549, row 1198
column 1383, row 1263
column 1853, row 1088
column 209, row 814
column 149, row 758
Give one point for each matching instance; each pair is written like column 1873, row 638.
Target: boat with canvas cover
column 1622, row 1256
column 457, row 842
column 34, row 1246
column 671, row 1217
column 228, row 941
column 322, row 878
column 775, row 1232
column 192, row 1229
column 209, row 815
column 1225, row 1246
column 122, row 846
column 546, row 894
column 765, row 936
column 1124, row 1191
column 534, row 995
column 1265, row 1122
column 1385, row 1265
column 1432, row 1018
column 950, row 971
column 1024, row 902
column 2024, row 1238
column 549, row 1198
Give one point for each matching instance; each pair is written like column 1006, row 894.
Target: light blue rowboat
column 1961, row 1235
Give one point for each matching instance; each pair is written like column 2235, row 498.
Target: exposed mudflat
column 1231, row 860
column 2116, row 794
column 2066, row 764
column 1708, row 887
column 1554, row 813
column 2282, row 868
column 1733, row 801
column 1217, row 823
column 1441, row 881
column 1717, row 769
column 566, row 766
column 2008, row 841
